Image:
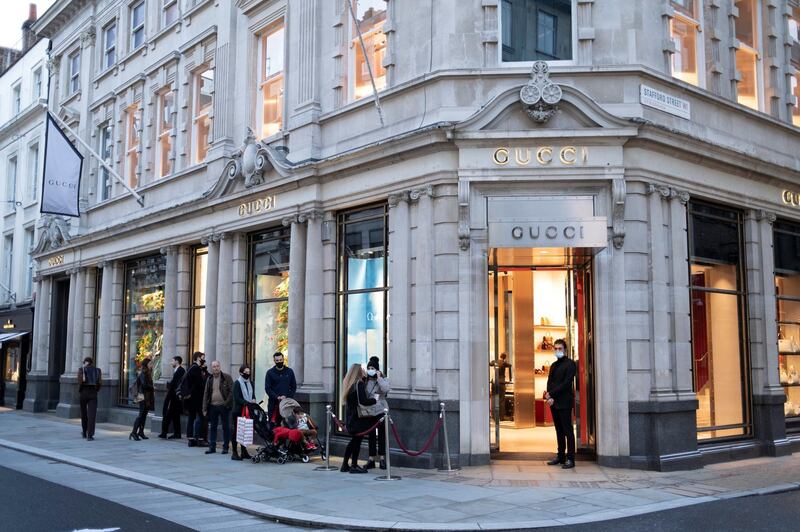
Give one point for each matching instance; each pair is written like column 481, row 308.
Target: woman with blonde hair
column 354, row 392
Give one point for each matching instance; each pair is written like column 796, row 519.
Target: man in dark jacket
column 217, row 402
column 88, row 386
column 561, row 397
column 279, row 384
column 193, row 400
column 171, row 413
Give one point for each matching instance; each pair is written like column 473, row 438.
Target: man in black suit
column 193, row 400
column 171, row 412
column 561, row 397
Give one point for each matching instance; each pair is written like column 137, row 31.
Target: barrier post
column 386, row 421
column 327, row 466
column 446, row 443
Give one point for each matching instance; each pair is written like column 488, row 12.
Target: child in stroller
column 298, row 433
column 264, row 428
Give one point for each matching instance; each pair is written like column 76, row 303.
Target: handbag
column 244, row 428
column 133, row 391
column 372, row 410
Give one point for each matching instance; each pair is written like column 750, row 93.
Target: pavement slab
column 506, row 495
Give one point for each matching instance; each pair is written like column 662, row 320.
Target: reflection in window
column 198, row 307
column 362, row 287
column 166, row 130
column 747, row 56
column 109, row 45
column 105, row 151
column 137, row 25
column 721, row 372
column 143, row 319
column 269, row 300
column 536, row 30
column 201, row 117
column 684, row 31
column 271, row 87
column 12, row 363
column 371, row 15
column 787, row 292
column 133, row 129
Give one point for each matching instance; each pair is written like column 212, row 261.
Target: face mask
column 371, row 372
column 279, row 364
column 559, row 354
column 246, row 376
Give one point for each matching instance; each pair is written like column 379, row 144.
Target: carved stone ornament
column 53, row 234
column 618, row 194
column 250, row 161
column 540, row 96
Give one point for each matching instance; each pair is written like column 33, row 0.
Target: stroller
column 295, row 450
column 263, row 427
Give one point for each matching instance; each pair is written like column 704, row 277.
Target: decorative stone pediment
column 540, row 96
column 53, row 234
column 250, row 165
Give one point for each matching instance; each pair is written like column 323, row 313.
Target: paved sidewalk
column 505, row 496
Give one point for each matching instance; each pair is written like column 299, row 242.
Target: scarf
column 247, row 389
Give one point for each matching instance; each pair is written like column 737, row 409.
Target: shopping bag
column 244, row 431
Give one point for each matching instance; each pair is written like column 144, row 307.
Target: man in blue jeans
column 217, row 402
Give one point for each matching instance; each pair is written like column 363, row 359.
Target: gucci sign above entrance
column 540, row 156
column 790, row 197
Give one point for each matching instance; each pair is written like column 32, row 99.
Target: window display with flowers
column 143, row 319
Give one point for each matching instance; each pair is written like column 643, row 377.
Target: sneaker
column 556, row 461
column 370, row 464
column 345, row 468
column 357, row 470
column 211, row 451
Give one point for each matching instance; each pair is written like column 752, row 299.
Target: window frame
column 264, row 81
column 791, row 227
column 105, row 183
column 758, row 59
column 135, row 29
column 8, row 267
column 741, row 293
column 74, row 77
column 162, row 133
column 36, row 83
column 16, row 98
column 132, row 149
column 197, row 114
column 33, row 171
column 11, row 181
column 353, row 49
column 110, row 50
column 165, row 7
column 794, row 62
column 197, row 251
column 698, row 22
column 529, row 64
column 28, row 250
column 342, row 291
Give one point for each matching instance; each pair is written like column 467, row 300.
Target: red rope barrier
column 424, row 447
column 343, row 427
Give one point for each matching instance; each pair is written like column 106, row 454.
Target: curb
column 290, row 517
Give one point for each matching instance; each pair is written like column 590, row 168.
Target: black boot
column 245, row 455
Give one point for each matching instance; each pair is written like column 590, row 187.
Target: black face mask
column 246, row 376
column 279, row 364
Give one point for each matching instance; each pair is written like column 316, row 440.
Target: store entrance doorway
column 537, row 296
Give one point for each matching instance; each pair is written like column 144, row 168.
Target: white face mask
column 371, row 372
column 559, row 353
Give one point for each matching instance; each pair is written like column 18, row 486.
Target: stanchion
column 388, row 475
column 443, row 414
column 327, row 466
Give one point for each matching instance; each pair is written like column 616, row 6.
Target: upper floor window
column 748, row 56
column 74, row 72
column 534, row 30
column 794, row 84
column 11, row 183
column 371, row 17
column 29, row 244
column 37, row 83
column 133, row 121
column 105, row 150
column 166, row 129
column 169, row 10
column 203, row 96
column 33, row 170
column 8, row 251
column 137, row 25
column 684, row 30
column 271, row 85
column 109, row 45
column 16, row 99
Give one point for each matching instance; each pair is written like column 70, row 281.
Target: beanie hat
column 374, row 363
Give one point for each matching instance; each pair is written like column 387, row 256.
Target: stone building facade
column 435, row 183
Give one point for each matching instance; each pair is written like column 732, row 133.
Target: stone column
column 104, row 325
column 660, row 346
column 115, row 333
column 297, row 266
column 312, row 324
column 399, row 368
column 224, row 300
column 41, row 304
column 72, row 309
column 239, row 300
column 423, row 365
column 37, row 394
column 183, row 302
column 170, row 311
column 680, row 295
column 212, row 275
column 89, row 302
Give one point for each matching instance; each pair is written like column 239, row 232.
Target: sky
column 15, row 12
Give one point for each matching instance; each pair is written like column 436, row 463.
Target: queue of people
column 214, row 398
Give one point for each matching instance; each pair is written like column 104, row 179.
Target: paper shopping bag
column 244, row 431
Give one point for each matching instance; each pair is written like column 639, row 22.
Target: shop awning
column 5, row 337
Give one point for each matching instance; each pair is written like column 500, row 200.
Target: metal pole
column 446, row 443
column 388, row 475
column 327, row 466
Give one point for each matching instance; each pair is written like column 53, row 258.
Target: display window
column 12, row 363
column 787, row 293
column 362, row 290
column 143, row 319
column 198, row 310
column 720, row 363
column 269, row 301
